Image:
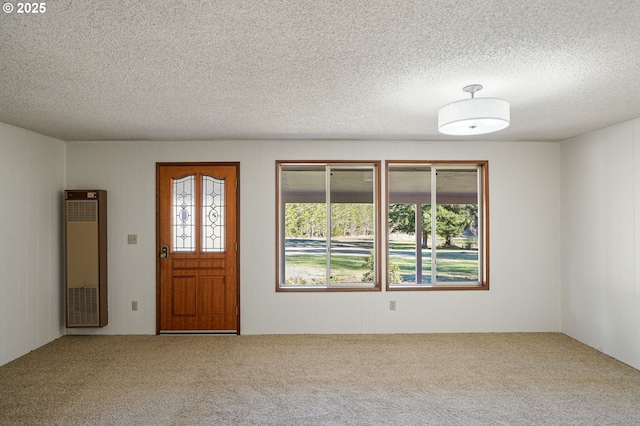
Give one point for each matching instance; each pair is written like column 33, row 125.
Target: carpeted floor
column 440, row 379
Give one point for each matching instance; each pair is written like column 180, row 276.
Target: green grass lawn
column 454, row 264
column 343, row 268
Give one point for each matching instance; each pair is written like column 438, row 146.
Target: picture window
column 328, row 226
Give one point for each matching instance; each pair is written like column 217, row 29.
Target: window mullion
column 328, row 230
column 480, row 225
column 418, row 239
column 434, row 260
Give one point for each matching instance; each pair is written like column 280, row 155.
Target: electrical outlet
column 392, row 305
column 134, row 305
column 132, row 239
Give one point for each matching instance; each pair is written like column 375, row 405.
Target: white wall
column 32, row 179
column 525, row 237
column 587, row 287
column 601, row 240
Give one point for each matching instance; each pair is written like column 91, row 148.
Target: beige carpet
column 447, row 379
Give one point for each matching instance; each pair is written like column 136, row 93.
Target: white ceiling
column 301, row 69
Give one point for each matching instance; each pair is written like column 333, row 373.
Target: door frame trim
column 235, row 164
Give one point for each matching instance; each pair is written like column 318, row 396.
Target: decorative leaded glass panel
column 183, row 209
column 213, row 225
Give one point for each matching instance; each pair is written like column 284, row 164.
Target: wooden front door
column 197, row 241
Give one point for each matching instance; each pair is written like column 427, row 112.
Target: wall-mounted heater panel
column 85, row 219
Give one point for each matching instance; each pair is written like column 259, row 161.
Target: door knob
column 164, row 252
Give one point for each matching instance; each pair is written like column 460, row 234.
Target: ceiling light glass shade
column 474, row 116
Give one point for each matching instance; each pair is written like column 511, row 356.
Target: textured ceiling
column 357, row 69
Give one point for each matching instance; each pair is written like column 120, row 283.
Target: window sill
column 329, row 288
column 438, row 287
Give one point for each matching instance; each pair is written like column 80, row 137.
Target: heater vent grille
column 85, row 232
column 82, row 211
column 82, row 306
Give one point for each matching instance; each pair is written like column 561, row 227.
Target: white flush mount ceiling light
column 474, row 116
